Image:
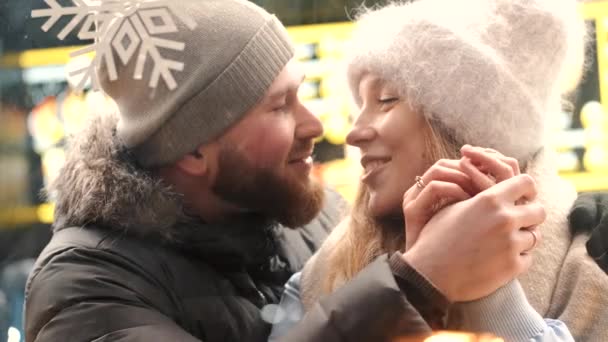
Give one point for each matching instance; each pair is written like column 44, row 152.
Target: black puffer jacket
column 91, row 284
column 125, row 264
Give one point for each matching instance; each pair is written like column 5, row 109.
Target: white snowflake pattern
column 126, row 27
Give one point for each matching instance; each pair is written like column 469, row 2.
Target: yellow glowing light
column 449, row 337
column 461, row 337
column 52, row 161
column 45, row 213
column 596, row 159
column 452, row 336
column 336, row 129
column 592, row 114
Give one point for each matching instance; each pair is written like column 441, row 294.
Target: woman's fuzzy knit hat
column 488, row 70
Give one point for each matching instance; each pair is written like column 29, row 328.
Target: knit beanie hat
column 231, row 57
column 488, row 70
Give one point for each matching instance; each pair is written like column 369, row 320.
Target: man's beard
column 290, row 201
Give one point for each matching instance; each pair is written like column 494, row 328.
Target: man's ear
column 194, row 164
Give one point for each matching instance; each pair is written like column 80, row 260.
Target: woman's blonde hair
column 368, row 237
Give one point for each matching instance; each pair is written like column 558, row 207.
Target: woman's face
column 391, row 138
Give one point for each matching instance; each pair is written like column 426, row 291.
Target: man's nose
column 308, row 126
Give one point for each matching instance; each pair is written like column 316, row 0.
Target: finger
column 450, row 163
column 513, row 189
column 473, row 152
column 451, row 175
column 434, row 197
column 530, row 214
column 527, row 240
column 437, row 191
column 465, row 182
column 480, row 180
column 499, row 166
column 439, row 172
column 512, row 162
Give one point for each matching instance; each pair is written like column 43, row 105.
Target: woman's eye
column 388, row 100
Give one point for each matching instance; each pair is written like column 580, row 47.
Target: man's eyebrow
column 275, row 96
column 282, row 93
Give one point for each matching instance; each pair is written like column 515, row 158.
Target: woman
column 428, row 81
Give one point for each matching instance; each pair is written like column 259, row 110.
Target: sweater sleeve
column 423, row 295
column 508, row 314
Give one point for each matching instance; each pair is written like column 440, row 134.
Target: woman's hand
column 470, row 249
column 451, row 181
column 486, row 166
column 442, row 184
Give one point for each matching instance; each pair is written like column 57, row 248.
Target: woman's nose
column 359, row 135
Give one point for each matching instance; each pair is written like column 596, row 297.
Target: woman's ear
column 194, row 163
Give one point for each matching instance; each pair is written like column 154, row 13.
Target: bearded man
column 173, row 214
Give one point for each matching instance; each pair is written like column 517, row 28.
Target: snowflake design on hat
column 130, row 28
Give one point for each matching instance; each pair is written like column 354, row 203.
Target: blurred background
column 39, row 109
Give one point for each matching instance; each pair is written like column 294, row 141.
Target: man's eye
column 280, row 109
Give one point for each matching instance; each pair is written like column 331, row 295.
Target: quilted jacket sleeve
column 82, row 294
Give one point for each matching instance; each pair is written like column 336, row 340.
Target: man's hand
column 590, row 213
column 485, row 230
column 471, row 248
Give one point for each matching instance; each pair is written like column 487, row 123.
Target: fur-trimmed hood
column 101, row 184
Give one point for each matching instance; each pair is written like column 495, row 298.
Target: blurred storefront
column 38, row 110
column 35, row 126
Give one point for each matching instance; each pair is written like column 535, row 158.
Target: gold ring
column 534, row 243
column 419, row 182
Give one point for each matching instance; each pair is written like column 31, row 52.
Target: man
column 167, row 215
column 172, row 215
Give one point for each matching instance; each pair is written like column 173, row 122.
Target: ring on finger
column 534, row 241
column 419, row 182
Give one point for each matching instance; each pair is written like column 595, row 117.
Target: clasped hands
column 471, row 223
